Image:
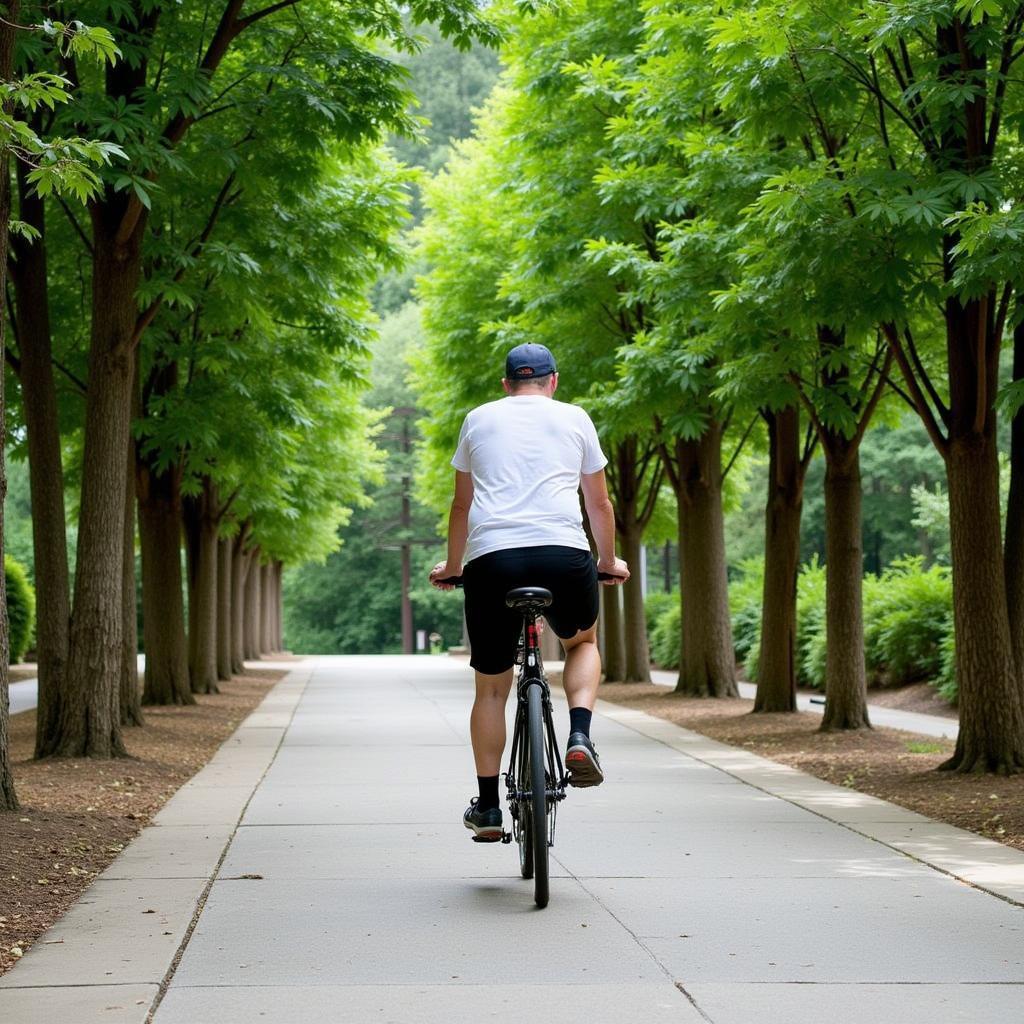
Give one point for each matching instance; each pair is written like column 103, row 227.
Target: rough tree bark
column 163, row 612
column 614, row 659
column 1013, row 554
column 787, row 466
column 90, row 723
column 279, row 619
column 240, row 562
column 252, row 607
column 8, row 796
column 224, row 576
column 846, row 702
column 707, row 666
column 200, row 517
column 130, row 700
column 266, row 607
column 35, row 371
column 46, row 474
column 634, row 476
column 636, row 643
column 991, row 736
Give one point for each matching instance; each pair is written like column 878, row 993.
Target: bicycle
column 536, row 780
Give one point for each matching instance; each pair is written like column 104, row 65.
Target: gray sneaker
column 582, row 763
column 485, row 825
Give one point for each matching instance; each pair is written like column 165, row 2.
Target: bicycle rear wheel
column 524, row 817
column 538, row 802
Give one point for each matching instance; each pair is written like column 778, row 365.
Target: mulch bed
column 888, row 763
column 77, row 814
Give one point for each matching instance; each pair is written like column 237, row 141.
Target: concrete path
column 317, row 870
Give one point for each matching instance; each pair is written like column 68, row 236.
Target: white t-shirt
column 526, row 454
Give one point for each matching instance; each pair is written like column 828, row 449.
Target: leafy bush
column 655, row 606
column 665, row 637
column 945, row 682
column 908, row 623
column 907, row 614
column 810, row 625
column 21, row 608
column 745, row 594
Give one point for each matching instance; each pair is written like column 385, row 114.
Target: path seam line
column 201, row 902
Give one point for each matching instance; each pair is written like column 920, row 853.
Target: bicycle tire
column 538, row 795
column 524, row 829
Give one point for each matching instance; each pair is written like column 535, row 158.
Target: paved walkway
column 316, row 870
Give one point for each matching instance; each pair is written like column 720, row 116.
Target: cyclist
column 516, row 521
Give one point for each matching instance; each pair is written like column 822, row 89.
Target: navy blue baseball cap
column 527, row 362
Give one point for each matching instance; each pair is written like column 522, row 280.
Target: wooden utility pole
column 406, row 521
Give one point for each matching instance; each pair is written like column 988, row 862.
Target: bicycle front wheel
column 538, row 802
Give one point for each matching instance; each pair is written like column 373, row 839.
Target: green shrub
column 906, row 618
column 810, row 625
column 945, row 682
column 21, row 608
column 665, row 638
column 745, row 593
column 655, row 605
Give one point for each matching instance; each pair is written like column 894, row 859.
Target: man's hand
column 616, row 567
column 441, row 571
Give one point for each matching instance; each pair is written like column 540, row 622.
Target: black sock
column 488, row 792
column 579, row 720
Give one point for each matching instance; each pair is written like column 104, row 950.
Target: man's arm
column 602, row 523
column 458, row 529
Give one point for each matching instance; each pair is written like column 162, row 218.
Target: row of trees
column 759, row 223
column 194, row 332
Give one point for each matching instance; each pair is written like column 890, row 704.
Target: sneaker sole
column 583, row 769
column 485, row 833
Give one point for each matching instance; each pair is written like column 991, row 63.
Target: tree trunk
column 201, row 542
column 776, row 664
column 278, row 606
column 89, row 722
column 240, row 561
column 46, row 474
column 991, row 736
column 614, row 659
column 224, row 577
column 846, row 703
column 266, row 603
column 638, row 652
column 130, row 696
column 163, row 613
column 707, row 658
column 8, row 797
column 1013, row 557
column 252, row 607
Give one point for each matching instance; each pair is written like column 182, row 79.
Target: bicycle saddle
column 525, row 597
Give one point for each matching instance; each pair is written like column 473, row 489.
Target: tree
column 61, row 166
column 938, row 83
column 154, row 105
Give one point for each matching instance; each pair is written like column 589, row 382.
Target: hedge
column 21, row 608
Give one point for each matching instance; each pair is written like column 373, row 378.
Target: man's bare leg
column 487, row 721
column 582, row 672
column 580, row 679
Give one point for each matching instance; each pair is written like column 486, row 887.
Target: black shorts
column 569, row 573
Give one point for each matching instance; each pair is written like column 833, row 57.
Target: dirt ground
column 77, row 814
column 888, row 763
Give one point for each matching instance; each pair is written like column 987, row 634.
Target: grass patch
column 925, row 747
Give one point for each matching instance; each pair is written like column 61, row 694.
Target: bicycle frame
column 531, row 673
